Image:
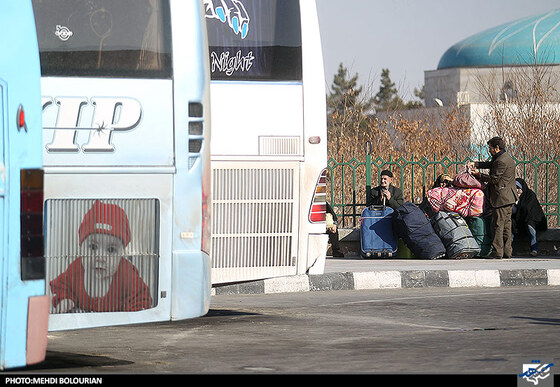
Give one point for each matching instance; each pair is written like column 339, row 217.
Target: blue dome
column 520, row 42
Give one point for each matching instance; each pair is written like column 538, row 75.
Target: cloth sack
column 464, row 201
column 465, row 179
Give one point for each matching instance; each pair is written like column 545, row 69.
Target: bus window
column 270, row 52
column 126, row 38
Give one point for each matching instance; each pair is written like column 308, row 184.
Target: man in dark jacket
column 528, row 216
column 502, row 195
column 332, row 231
column 393, row 195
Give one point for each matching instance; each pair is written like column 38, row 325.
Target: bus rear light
column 32, row 202
column 318, row 213
column 31, row 225
column 20, row 117
column 318, row 208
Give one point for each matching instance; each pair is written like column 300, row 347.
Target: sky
column 407, row 37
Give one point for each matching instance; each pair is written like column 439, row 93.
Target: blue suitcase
column 376, row 232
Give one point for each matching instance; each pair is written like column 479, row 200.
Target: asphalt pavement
column 353, row 272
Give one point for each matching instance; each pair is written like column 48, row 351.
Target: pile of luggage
column 449, row 225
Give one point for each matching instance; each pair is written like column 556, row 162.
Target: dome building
column 494, row 53
column 488, row 67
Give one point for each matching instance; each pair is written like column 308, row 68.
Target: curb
column 393, row 280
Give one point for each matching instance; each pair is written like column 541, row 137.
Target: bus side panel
column 3, row 234
column 279, row 117
column 37, row 329
column 191, row 285
column 20, row 70
column 312, row 250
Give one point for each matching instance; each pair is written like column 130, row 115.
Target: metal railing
column 350, row 180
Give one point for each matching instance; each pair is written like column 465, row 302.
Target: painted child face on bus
column 102, row 254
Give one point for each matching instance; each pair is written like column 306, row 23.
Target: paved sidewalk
column 355, row 273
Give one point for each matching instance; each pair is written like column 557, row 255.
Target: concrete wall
column 458, row 86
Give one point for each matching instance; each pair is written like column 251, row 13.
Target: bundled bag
column 438, row 196
column 415, row 229
column 455, row 235
column 465, row 202
column 465, row 179
column 480, row 229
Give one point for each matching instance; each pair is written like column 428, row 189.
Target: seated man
column 386, row 193
column 332, row 230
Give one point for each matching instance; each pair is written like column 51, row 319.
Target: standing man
column 502, row 195
column 393, row 195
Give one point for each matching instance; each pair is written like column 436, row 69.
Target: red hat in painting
column 104, row 218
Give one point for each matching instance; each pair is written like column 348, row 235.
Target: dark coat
column 501, row 179
column 528, row 211
column 395, row 202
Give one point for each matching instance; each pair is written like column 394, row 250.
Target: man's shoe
column 534, row 253
column 338, row 254
column 494, row 256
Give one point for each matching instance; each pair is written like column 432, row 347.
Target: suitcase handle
column 378, row 207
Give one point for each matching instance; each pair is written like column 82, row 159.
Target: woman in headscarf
column 527, row 215
column 443, row 180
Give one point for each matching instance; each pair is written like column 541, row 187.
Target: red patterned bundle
column 465, row 202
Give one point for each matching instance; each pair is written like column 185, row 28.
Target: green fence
column 349, row 180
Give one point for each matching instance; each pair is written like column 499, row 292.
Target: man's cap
column 386, row 172
column 105, row 218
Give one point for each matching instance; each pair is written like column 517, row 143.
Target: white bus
column 125, row 87
column 269, row 139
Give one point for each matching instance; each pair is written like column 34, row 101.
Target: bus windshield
column 126, row 38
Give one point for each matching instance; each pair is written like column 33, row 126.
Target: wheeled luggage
column 455, row 234
column 480, row 229
column 376, row 232
column 413, row 226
